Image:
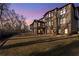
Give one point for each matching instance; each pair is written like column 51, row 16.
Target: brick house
column 60, row 21
column 67, row 22
column 38, row 27
column 50, row 19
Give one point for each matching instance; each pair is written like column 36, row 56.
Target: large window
column 63, row 21
column 63, row 11
column 66, row 31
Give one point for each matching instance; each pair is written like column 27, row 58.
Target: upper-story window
column 63, row 11
column 52, row 13
column 38, row 24
column 52, row 22
column 49, row 23
column 35, row 24
column 49, row 14
column 63, row 21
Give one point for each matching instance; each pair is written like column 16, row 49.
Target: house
column 50, row 19
column 67, row 23
column 59, row 21
column 38, row 27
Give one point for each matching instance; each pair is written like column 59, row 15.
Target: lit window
column 49, row 23
column 66, row 31
column 38, row 24
column 63, row 11
column 64, row 20
column 43, row 19
column 52, row 13
column 49, row 14
column 38, row 31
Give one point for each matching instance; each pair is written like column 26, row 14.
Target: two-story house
column 38, row 27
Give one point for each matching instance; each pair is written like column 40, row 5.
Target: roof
column 50, row 11
column 37, row 21
column 59, row 8
column 66, row 5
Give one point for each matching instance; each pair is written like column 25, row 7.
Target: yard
column 22, row 45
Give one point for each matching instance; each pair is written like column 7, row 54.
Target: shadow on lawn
column 59, row 50
column 4, row 39
column 24, row 44
column 27, row 43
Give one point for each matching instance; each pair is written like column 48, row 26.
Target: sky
column 33, row 11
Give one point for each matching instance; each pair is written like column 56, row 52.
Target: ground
column 41, row 45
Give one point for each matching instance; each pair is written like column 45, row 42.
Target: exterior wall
column 38, row 27
column 51, row 22
column 67, row 22
column 74, row 23
column 55, row 22
column 33, row 27
column 77, row 17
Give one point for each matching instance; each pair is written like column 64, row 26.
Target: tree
column 2, row 8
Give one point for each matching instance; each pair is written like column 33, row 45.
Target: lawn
column 40, row 45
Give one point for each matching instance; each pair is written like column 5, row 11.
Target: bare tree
column 10, row 22
column 2, row 8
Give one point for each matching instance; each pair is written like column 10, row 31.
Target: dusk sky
column 34, row 10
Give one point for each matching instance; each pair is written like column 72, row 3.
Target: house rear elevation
column 67, row 22
column 60, row 21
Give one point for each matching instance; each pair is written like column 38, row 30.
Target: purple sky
column 34, row 10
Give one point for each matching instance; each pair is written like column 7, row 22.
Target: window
column 63, row 11
column 38, row 24
column 49, row 23
column 61, row 21
column 43, row 19
column 52, row 13
column 35, row 24
column 49, row 14
column 66, row 31
column 64, row 20
column 59, row 31
column 38, row 31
